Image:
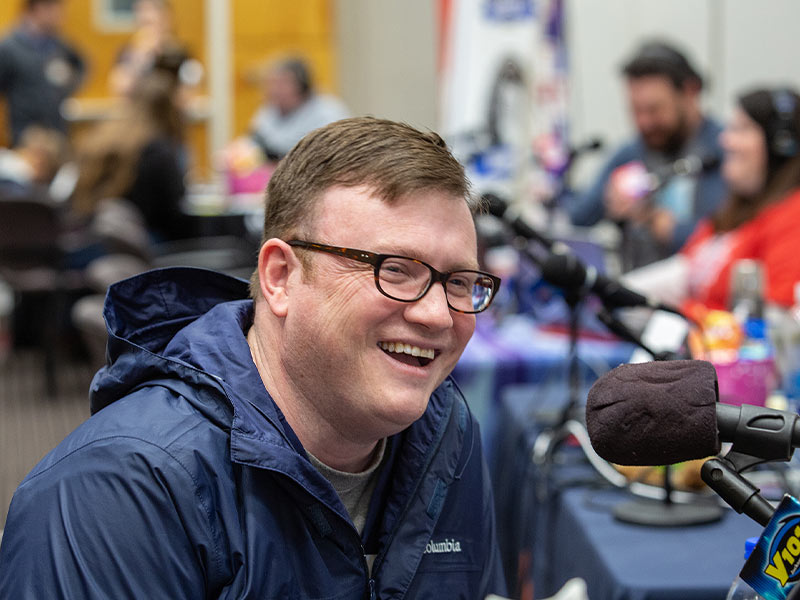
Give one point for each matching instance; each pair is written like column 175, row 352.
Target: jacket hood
column 145, row 314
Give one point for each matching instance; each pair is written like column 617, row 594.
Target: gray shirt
column 279, row 133
column 355, row 489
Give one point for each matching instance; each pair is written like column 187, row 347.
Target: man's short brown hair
column 661, row 59
column 392, row 159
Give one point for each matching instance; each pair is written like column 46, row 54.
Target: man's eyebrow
column 469, row 264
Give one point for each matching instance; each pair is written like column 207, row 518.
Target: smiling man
column 302, row 443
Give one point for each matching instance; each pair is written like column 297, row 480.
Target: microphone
column 639, row 182
column 665, row 412
column 565, row 270
column 688, row 165
column 685, row 166
column 591, row 145
column 505, row 212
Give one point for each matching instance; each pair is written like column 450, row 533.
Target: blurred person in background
column 759, row 219
column 663, row 91
column 38, row 69
column 291, row 108
column 152, row 40
column 34, row 161
column 138, row 155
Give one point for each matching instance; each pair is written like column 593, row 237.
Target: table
column 216, row 211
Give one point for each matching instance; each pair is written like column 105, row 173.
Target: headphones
column 785, row 143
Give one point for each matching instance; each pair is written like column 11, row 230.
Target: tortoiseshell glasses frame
column 408, row 279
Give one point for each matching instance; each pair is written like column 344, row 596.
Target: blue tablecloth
column 619, row 561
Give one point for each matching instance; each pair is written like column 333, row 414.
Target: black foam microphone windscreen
column 654, row 413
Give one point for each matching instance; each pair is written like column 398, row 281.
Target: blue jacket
column 187, row 482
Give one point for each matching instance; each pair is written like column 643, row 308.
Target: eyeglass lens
column 405, row 279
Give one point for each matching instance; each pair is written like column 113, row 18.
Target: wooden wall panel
column 261, row 31
column 8, row 12
column 101, row 45
column 9, row 9
column 266, row 29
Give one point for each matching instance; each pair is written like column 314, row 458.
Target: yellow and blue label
column 774, row 565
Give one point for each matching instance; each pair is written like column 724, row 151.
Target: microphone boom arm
column 722, row 475
column 622, row 331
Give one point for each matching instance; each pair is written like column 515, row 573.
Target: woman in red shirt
column 760, row 219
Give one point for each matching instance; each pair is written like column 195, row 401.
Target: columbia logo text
column 447, row 546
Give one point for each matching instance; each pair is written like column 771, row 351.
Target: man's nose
column 431, row 310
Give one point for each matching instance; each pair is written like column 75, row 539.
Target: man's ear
column 276, row 264
column 692, row 87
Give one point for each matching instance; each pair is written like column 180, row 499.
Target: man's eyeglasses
column 408, row 279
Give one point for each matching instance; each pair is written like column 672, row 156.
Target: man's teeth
column 407, row 349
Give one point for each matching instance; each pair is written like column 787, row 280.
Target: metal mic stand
column 645, row 511
column 723, row 475
column 570, row 423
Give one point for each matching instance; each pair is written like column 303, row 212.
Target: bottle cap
column 755, row 329
column 749, row 545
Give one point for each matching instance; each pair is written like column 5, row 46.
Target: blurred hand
column 662, row 225
column 626, row 188
column 619, row 204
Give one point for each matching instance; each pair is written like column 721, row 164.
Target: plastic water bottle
column 784, row 331
column 739, row 589
column 756, row 345
column 791, row 358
